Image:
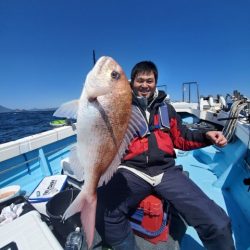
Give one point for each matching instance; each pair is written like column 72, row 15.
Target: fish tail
column 86, row 204
column 88, row 215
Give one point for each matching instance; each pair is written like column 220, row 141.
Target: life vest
column 162, row 124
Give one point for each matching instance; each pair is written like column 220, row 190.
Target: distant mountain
column 4, row 109
column 47, row 109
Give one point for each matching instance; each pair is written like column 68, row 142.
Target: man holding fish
column 130, row 148
column 148, row 166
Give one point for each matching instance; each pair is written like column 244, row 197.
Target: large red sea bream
column 105, row 126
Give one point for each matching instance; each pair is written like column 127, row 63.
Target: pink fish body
column 103, row 115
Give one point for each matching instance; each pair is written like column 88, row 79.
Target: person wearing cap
column 148, row 167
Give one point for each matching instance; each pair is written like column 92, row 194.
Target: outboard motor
column 211, row 101
column 222, row 101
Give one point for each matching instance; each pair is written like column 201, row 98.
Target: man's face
column 144, row 84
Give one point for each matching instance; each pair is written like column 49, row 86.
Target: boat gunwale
column 12, row 149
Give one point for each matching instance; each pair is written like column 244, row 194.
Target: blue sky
column 46, row 46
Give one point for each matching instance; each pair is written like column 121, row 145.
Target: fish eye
column 115, row 75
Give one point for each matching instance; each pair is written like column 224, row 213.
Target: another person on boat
column 149, row 168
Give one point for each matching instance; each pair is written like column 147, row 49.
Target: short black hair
column 144, row 67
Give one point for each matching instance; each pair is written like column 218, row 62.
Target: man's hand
column 217, row 138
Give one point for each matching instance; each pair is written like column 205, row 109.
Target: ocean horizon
column 16, row 125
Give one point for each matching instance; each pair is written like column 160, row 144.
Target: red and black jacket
column 154, row 152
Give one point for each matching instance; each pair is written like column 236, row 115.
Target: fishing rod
column 234, row 118
column 228, row 118
column 94, row 58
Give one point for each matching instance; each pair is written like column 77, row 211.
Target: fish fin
column 68, row 110
column 75, row 206
column 86, row 204
column 77, row 170
column 137, row 126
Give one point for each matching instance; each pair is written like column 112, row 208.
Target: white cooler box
column 28, row 232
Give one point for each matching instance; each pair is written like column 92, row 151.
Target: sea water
column 16, row 125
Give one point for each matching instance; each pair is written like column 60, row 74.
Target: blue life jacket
column 163, row 124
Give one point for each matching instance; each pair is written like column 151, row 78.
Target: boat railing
column 36, row 158
column 24, row 145
column 186, row 87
